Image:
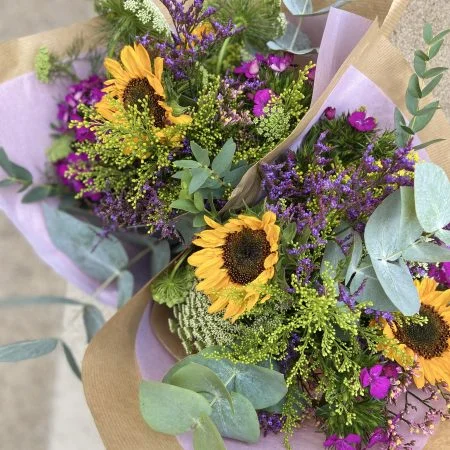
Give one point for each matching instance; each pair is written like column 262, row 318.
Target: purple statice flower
column 280, row 63
column 77, row 163
column 441, row 273
column 260, row 101
column 378, row 436
column 270, row 422
column 373, row 378
column 86, row 92
column 359, row 121
column 249, row 68
column 189, row 46
column 118, row 214
column 329, row 113
column 347, row 443
column 291, row 354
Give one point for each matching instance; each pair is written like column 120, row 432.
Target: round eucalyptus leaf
column 206, row 436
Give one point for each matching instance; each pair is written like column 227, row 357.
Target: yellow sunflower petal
column 271, row 260
column 156, row 85
column 251, row 222
column 116, row 70
column 129, row 60
column 232, row 310
column 209, row 267
column 158, row 67
column 218, row 305
column 269, row 218
column 183, row 119
column 143, row 57
column 211, row 223
column 207, row 244
column 419, row 378
column 426, row 286
column 197, row 258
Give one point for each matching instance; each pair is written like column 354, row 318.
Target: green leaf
column 427, row 252
column 420, row 65
column 412, row 103
column 435, row 48
column 38, row 300
column 235, row 176
column 393, row 226
column 299, row 7
column 200, row 154
column 171, row 409
column 99, row 258
column 160, row 256
column 427, row 33
column 184, row 205
column 333, row 254
column 71, row 360
column 422, row 55
column 186, row 164
column 125, row 286
column 431, row 107
column 39, row 193
column 356, row 254
column 401, row 135
column 408, row 130
column 5, row 163
column 423, row 119
column 434, row 72
column 427, row 144
column 444, row 236
column 198, row 201
column 206, row 436
column 198, row 378
column 199, row 176
column 397, row 282
column 293, row 41
column 372, row 291
column 414, row 86
column 241, row 423
column 428, row 89
column 60, row 148
column 21, row 174
column 440, row 36
column 222, row 162
column 7, row 182
column 432, row 196
column 199, row 221
column 20, row 351
column 93, row 320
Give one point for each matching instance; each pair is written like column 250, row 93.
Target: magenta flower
column 330, row 113
column 391, row 370
column 346, row 443
column 312, row 74
column 441, row 273
column 378, row 436
column 77, row 162
column 378, row 384
column 360, row 122
column 280, row 63
column 260, row 101
column 250, row 68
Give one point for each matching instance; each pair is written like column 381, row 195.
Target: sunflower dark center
column 244, row 254
column 139, row 92
column 429, row 340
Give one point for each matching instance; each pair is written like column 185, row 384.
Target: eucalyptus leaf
column 206, row 436
column 222, row 162
column 186, row 164
column 5, row 163
column 198, row 201
column 401, row 135
column 428, row 89
column 39, row 193
column 200, row 154
column 427, row 252
column 99, row 258
column 125, row 287
column 372, row 290
column 393, row 226
column 412, row 103
column 23, row 350
column 239, row 423
column 435, row 71
column 440, row 36
column 199, row 176
column 171, row 409
column 423, row 118
column 160, row 256
column 299, row 7
column 421, row 55
column 235, row 176
column 397, row 282
column 293, row 41
column 432, row 196
column 199, row 221
column 419, row 65
column 427, row 33
column 444, row 236
column 435, row 48
column 409, row 130
column 71, row 360
column 198, row 378
column 414, row 86
column 355, row 256
column 7, row 182
column 427, row 144
column 93, row 320
column 433, row 106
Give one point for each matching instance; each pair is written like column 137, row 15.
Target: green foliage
column 421, row 84
column 60, row 148
column 205, row 180
column 124, row 20
column 199, row 329
column 40, row 193
column 16, row 174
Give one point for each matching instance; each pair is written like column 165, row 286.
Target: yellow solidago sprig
column 237, row 259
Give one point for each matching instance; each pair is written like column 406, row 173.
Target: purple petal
column 353, row 439
column 331, row 440
column 375, row 371
column 364, row 377
column 379, row 387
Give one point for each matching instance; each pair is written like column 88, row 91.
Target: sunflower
column 136, row 82
column 237, row 259
column 428, row 344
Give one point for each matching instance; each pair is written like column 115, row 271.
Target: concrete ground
column 41, row 404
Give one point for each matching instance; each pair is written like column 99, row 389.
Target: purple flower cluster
column 85, row 92
column 76, row 163
column 291, row 354
column 377, row 382
column 270, row 422
column 359, row 121
column 346, row 443
column 195, row 33
column 250, row 69
column 117, row 213
column 441, row 273
column 353, row 193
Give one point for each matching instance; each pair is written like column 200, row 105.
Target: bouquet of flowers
column 307, row 288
